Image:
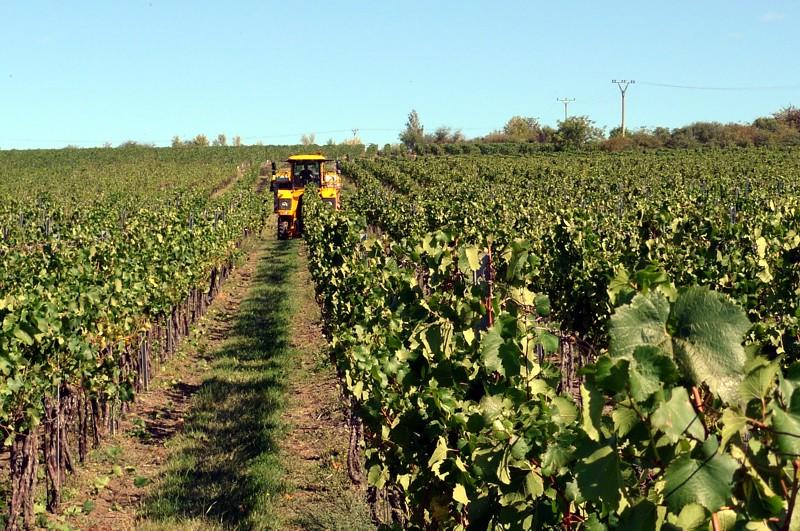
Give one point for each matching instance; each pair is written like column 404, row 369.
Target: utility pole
column 623, row 85
column 355, row 132
column 566, row 102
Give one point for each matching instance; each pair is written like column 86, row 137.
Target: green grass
column 224, row 469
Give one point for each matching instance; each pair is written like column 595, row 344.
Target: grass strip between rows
column 225, row 469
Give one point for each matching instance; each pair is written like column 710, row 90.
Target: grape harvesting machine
column 289, row 186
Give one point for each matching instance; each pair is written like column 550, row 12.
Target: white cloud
column 771, row 16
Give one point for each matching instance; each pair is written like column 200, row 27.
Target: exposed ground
column 222, row 187
column 243, row 429
column 319, row 493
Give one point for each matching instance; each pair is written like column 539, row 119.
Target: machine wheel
column 283, row 230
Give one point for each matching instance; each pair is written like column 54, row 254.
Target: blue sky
column 90, row 72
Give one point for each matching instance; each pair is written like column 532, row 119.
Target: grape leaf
column 707, row 480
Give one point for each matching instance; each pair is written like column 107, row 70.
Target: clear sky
column 89, row 72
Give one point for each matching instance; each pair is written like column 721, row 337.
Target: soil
column 228, row 182
column 314, row 449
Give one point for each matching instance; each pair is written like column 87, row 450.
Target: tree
column 176, row 141
column 444, row 135
column 221, row 140
column 200, row 140
column 308, row 140
column 790, row 116
column 133, row 144
column 576, row 132
column 522, row 129
column 414, row 133
column 352, row 141
column 237, row 141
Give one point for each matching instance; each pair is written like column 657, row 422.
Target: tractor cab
column 289, row 187
column 305, row 173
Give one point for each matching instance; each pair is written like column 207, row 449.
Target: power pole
column 566, row 102
column 355, row 132
column 623, row 85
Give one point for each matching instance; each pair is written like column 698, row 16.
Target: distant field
column 81, row 174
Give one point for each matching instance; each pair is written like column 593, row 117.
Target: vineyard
column 108, row 257
column 548, row 341
column 571, row 341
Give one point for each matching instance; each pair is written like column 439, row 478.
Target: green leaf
column 649, row 372
column 624, row 419
column 733, row 422
column 549, row 342
column 619, row 288
column 677, row 418
column 473, row 259
column 609, row 375
column 554, row 458
column 692, row 518
column 650, row 277
column 100, row 482
column 23, row 336
column 565, row 411
column 598, row 477
column 760, row 504
column 787, row 431
column 593, row 523
column 543, row 305
column 87, row 507
column 707, row 481
column 640, row 516
column 592, row 410
column 377, row 476
column 759, row 382
column 642, row 322
column 519, row 449
column 490, row 348
column 761, row 247
column 789, row 381
column 437, row 457
column 503, row 473
column 708, row 333
column 491, row 407
column 534, row 485
column 460, row 494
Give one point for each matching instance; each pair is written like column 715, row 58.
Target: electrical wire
column 696, row 87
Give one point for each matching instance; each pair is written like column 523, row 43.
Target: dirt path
column 227, row 183
column 314, row 449
column 243, row 429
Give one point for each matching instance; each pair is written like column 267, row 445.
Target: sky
column 86, row 73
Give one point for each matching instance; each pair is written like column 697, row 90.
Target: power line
column 697, row 87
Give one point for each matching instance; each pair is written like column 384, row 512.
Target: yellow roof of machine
column 307, row 157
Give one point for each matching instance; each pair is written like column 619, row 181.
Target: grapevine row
column 450, row 314
column 91, row 303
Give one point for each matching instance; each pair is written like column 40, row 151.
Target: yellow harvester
column 289, row 186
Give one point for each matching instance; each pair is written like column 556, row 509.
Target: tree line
column 522, row 134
